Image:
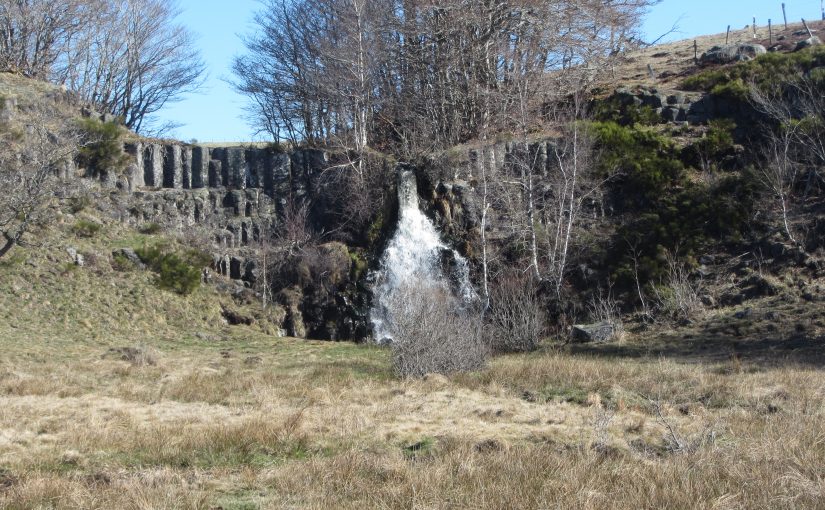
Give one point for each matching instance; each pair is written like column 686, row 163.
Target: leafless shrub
column 36, row 145
column 434, row 333
column 678, row 296
column 604, row 308
column 676, row 442
column 515, row 320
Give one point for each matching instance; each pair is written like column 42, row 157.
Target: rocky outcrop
column 281, row 176
column 732, row 53
column 808, row 43
column 324, row 295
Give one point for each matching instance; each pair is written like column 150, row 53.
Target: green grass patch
column 150, row 229
column 179, row 272
column 86, row 228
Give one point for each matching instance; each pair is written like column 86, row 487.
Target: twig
column 677, row 443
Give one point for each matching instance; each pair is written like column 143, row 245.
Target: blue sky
column 215, row 114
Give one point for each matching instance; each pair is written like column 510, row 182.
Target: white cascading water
column 414, row 258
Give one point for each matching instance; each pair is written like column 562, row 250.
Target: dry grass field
column 114, row 394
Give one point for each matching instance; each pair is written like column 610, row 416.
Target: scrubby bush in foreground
column 515, row 321
column 434, row 333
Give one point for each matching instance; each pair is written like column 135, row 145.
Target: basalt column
column 186, row 165
column 153, row 165
column 172, row 167
column 200, row 167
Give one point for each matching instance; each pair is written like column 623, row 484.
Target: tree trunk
column 9, row 244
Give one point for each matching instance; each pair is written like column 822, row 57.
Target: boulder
column 76, row 256
column 732, row 53
column 130, row 255
column 808, row 43
column 593, row 333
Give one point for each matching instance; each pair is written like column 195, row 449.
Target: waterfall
column 415, row 258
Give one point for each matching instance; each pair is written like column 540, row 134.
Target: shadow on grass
column 708, row 347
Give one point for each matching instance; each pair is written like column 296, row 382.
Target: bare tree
column 678, row 295
column 794, row 141
column 37, row 144
column 132, row 61
column 779, row 174
column 35, row 33
column 418, row 75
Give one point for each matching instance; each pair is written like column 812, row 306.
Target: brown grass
column 548, row 430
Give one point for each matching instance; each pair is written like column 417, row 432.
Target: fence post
column 770, row 32
column 727, row 36
column 695, row 52
column 754, row 27
column 805, row 24
column 785, row 15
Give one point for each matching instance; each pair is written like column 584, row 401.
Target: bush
column 613, row 109
column 643, row 159
column 678, row 295
column 102, row 151
column 150, row 229
column 767, row 71
column 79, row 203
column 434, row 333
column 515, row 320
column 603, row 308
column 664, row 210
column 712, row 149
column 179, row 273
column 85, row 228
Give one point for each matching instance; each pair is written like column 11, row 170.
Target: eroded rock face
column 323, row 296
